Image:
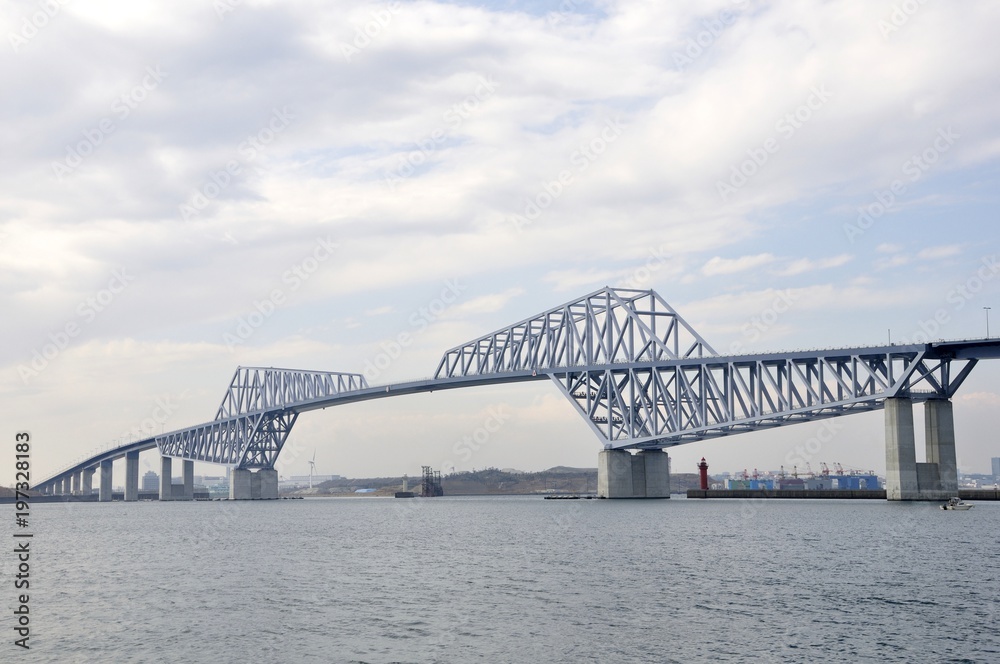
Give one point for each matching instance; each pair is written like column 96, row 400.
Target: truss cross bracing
column 640, row 375
column 255, row 417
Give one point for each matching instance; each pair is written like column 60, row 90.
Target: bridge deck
column 970, row 350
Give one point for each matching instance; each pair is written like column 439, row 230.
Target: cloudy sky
column 188, row 187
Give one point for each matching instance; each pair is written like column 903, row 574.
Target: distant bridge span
column 639, row 374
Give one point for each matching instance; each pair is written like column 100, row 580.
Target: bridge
column 640, row 376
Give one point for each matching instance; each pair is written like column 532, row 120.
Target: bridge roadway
column 964, row 349
column 343, row 398
column 683, row 398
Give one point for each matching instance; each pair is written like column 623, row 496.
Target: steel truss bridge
column 637, row 372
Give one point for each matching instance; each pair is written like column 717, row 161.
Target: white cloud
column 484, row 304
column 404, row 103
column 580, row 280
column 718, row 265
column 898, row 260
column 982, row 400
column 803, row 265
column 943, row 251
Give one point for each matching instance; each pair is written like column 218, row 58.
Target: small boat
column 956, row 504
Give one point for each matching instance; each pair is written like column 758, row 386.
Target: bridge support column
column 268, row 483
column 657, row 471
column 239, row 484
column 900, row 451
column 614, row 474
column 131, row 476
column 624, row 475
column 166, row 477
column 74, row 484
column 188, row 485
column 939, row 425
column 87, row 485
column 105, row 492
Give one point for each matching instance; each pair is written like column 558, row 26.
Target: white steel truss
column 257, row 388
column 639, row 374
column 656, row 406
column 244, row 441
column 607, row 326
column 253, row 422
column 644, row 378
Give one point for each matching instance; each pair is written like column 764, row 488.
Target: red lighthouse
column 703, row 469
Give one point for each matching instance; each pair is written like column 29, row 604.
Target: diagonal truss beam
column 638, row 373
column 609, row 325
column 655, row 405
column 254, row 389
column 254, row 419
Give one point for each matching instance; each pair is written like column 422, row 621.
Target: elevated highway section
column 641, row 377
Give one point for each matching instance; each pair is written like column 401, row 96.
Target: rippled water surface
column 514, row 580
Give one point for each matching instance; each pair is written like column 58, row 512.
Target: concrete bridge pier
column 74, row 484
column 105, row 492
column 239, row 484
column 183, row 491
column 905, row 479
column 87, row 486
column 166, row 478
column 188, row 486
column 268, row 483
column 621, row 474
column 245, row 484
column 939, row 425
column 900, row 451
column 131, row 476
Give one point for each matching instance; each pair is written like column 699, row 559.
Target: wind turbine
column 312, row 468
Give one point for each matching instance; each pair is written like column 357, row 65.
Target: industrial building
column 150, row 481
column 822, row 482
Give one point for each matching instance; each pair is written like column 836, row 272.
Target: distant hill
column 493, row 481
